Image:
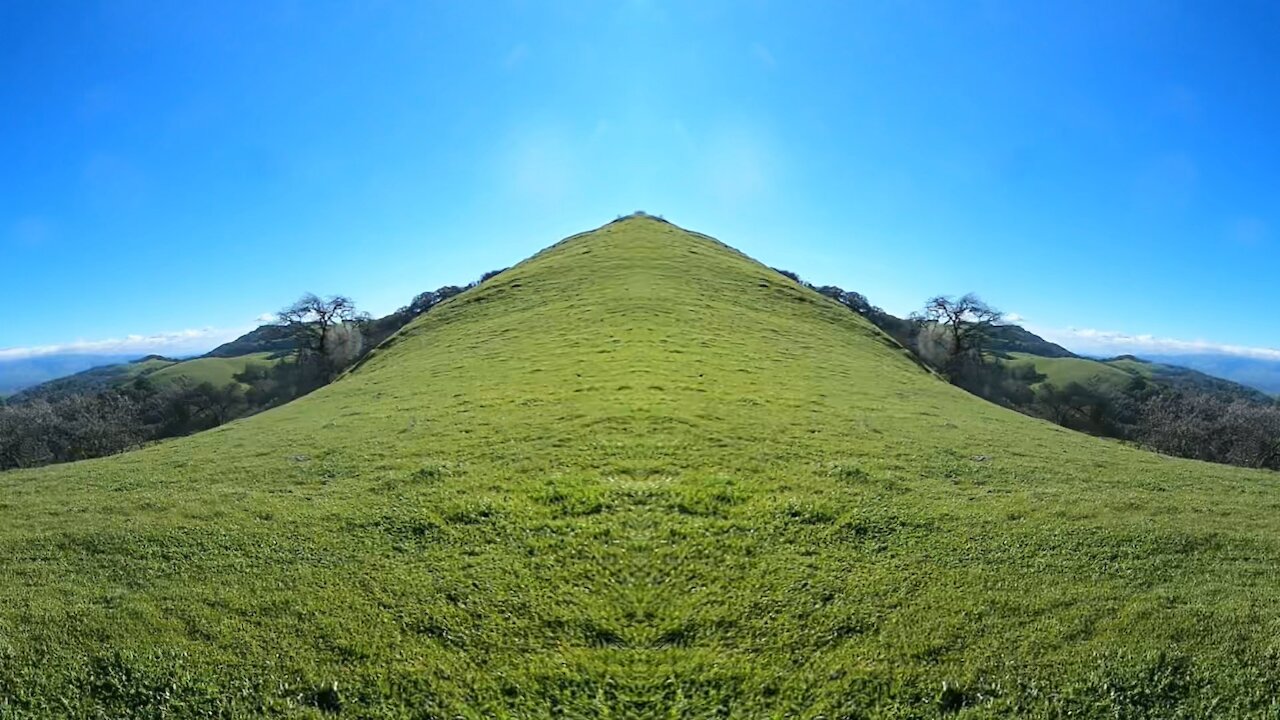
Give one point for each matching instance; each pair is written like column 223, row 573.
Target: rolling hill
column 219, row 370
column 96, row 379
column 639, row 475
column 262, row 339
column 17, row 374
column 1120, row 372
column 1263, row 374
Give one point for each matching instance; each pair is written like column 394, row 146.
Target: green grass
column 216, row 370
column 639, row 475
column 1060, row 372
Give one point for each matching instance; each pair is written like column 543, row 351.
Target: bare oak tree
column 964, row 324
column 311, row 320
column 327, row 333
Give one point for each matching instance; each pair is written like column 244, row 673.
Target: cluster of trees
column 82, row 426
column 317, row 339
column 955, row 337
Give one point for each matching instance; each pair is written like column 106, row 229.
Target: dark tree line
column 326, row 336
column 79, row 427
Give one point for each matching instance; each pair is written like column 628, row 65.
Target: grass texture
column 639, row 475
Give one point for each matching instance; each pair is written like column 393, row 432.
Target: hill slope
column 638, row 475
column 95, row 379
column 217, row 370
column 1263, row 374
column 17, row 374
column 1120, row 372
column 262, row 339
column 1017, row 339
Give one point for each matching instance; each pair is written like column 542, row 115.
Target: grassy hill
column 17, row 374
column 263, row 339
column 217, row 370
column 163, row 371
column 1061, row 371
column 96, row 379
column 1117, row 373
column 1260, row 373
column 639, row 475
column 1017, row 339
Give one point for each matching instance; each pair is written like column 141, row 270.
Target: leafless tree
column 311, row 320
column 967, row 321
column 954, row 332
column 1238, row 432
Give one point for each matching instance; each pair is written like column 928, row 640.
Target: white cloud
column 181, row 342
column 1014, row 318
column 266, row 318
column 1110, row 342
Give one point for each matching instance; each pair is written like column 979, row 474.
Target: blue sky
column 172, row 171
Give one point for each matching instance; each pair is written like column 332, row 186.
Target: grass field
column 639, row 475
column 216, row 370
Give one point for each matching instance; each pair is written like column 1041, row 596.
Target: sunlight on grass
column 638, row 474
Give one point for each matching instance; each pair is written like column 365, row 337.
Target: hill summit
column 638, row 475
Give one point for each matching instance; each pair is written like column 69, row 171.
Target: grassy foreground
column 639, row 475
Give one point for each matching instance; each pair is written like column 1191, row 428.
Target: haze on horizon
column 171, row 174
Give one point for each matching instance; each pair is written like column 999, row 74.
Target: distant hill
column 1061, row 371
column 1254, row 372
column 1185, row 378
column 639, row 475
column 59, row 376
column 1017, row 339
column 263, row 339
column 94, row 379
column 1121, row 372
column 21, row 373
column 161, row 370
column 217, row 370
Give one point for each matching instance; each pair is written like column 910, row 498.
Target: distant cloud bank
column 1108, row 342
column 181, row 342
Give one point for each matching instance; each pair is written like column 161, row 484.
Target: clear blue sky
column 167, row 166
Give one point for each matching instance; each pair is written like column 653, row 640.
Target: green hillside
column 95, row 379
column 263, row 339
column 163, row 371
column 217, row 370
column 1061, row 371
column 1118, row 373
column 1184, row 378
column 639, row 475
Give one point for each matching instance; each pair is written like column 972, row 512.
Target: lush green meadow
column 639, row 475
